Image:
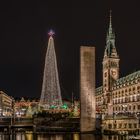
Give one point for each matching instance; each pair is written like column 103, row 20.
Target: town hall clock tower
column 110, row 66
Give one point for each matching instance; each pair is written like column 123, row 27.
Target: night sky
column 23, row 41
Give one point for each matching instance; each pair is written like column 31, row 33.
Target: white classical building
column 6, row 104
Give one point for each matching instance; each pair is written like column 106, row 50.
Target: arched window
column 134, row 107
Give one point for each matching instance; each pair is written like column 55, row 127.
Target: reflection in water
column 70, row 136
column 4, row 137
column 49, row 137
column 29, row 136
column 20, row 136
column 57, row 137
column 87, row 137
column 114, row 137
column 76, row 136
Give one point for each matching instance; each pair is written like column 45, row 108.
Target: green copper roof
column 128, row 78
column 99, row 90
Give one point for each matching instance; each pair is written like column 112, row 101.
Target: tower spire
column 110, row 50
column 110, row 23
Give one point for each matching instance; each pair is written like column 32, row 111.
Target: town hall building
column 117, row 96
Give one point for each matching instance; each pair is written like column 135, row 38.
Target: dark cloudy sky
column 23, row 41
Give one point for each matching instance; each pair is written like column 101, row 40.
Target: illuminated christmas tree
column 51, row 93
column 29, row 112
column 76, row 110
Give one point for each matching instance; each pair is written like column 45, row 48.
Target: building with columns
column 118, row 96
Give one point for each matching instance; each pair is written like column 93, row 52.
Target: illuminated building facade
column 25, row 107
column 6, row 104
column 117, row 96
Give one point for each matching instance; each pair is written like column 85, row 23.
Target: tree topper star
column 51, row 33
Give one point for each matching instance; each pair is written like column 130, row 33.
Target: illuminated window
column 130, row 125
column 134, row 107
column 120, row 125
column 133, row 98
column 119, row 108
column 115, row 137
column 135, row 125
column 125, row 125
column 138, row 106
column 105, row 74
column 115, row 126
column 109, row 126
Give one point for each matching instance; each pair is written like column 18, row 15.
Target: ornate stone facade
column 117, row 96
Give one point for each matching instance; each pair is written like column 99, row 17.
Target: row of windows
column 131, row 90
column 126, row 108
column 123, row 93
column 118, row 85
column 99, row 99
column 126, row 99
column 121, row 100
column 122, row 125
column 99, row 103
column 126, row 94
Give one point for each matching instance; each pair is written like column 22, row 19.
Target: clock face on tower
column 113, row 73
